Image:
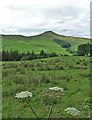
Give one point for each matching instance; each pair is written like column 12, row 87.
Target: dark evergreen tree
column 33, row 55
column 42, row 54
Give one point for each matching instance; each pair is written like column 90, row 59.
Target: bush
column 84, row 49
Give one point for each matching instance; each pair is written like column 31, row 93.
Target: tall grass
column 37, row 76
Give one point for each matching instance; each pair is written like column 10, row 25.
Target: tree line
column 17, row 56
column 5, row 55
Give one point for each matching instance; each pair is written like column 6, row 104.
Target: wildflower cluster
column 24, row 94
column 53, row 95
column 57, row 89
column 73, row 111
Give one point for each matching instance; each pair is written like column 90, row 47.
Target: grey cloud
column 66, row 11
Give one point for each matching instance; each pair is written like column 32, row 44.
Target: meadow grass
column 69, row 72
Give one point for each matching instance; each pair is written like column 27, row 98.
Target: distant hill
column 47, row 41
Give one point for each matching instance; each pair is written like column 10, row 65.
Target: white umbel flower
column 23, row 94
column 56, row 89
column 73, row 111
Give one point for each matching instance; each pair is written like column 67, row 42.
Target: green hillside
column 45, row 41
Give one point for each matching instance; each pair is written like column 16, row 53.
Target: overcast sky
column 31, row 17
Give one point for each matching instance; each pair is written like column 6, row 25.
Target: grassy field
column 43, row 41
column 69, row 72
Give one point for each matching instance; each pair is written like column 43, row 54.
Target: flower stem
column 31, row 108
column 50, row 111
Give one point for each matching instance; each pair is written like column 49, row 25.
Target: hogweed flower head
column 73, row 111
column 24, row 94
column 56, row 89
